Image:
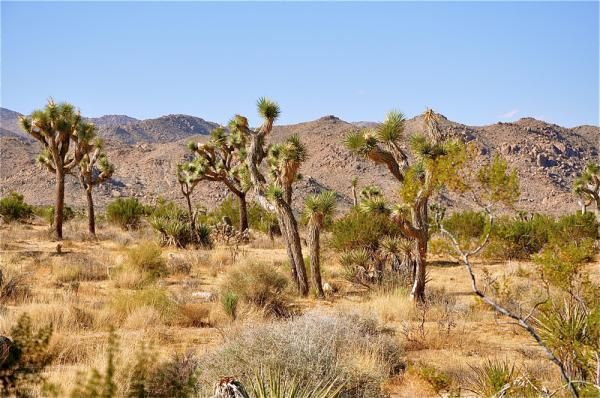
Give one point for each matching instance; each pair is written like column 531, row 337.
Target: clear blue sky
column 476, row 63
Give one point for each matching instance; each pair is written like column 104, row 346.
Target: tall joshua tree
column 318, row 209
column 222, row 159
column 94, row 167
column 55, row 127
column 587, row 186
column 274, row 192
column 435, row 161
column 188, row 176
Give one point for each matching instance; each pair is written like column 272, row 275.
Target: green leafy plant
column 14, row 208
column 229, row 301
column 125, row 212
column 175, row 229
column 275, row 385
column 23, row 360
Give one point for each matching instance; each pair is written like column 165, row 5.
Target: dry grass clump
column 64, row 318
column 140, row 308
column 143, row 265
column 15, row 285
column 259, row 285
column 78, row 267
column 312, row 348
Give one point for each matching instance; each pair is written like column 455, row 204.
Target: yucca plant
column 318, row 210
column 491, row 378
column 275, row 385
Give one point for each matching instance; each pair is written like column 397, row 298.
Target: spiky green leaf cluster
column 268, row 109
column 275, row 385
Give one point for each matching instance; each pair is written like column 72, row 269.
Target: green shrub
column 14, row 208
column 466, row 225
column 258, row 218
column 276, row 385
column 438, row 380
column 575, row 227
column 493, row 376
column 519, row 238
column 229, row 301
column 23, row 360
column 358, row 230
column 174, row 227
column 125, row 212
column 125, row 303
column 47, row 213
column 312, row 349
column 258, row 284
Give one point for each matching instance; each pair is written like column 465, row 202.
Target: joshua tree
column 587, row 186
column 354, row 185
column 222, row 159
column 318, row 209
column 435, row 161
column 276, row 193
column 94, row 167
column 56, row 126
column 188, row 176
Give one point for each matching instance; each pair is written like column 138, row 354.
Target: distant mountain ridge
column 145, row 152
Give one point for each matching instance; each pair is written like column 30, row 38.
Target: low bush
column 312, row 349
column 258, row 218
column 147, row 259
column 14, row 208
column 260, row 285
column 173, row 225
column 466, row 225
column 125, row 212
column 15, row 286
column 78, row 267
column 438, row 380
column 494, row 376
column 358, row 230
column 520, row 237
column 47, row 213
column 229, row 301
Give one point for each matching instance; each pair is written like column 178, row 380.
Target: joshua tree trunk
column 421, row 224
column 190, row 211
column 354, row 196
column 290, row 234
column 90, row 210
column 59, row 202
column 315, row 261
column 243, row 211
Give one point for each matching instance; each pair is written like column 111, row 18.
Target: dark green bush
column 519, row 238
column 466, row 225
column 173, row 224
column 125, row 212
column 14, row 208
column 47, row 213
column 359, row 230
column 575, row 227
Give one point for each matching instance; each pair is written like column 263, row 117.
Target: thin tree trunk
column 420, row 261
column 293, row 241
column 315, row 260
column 243, row 212
column 90, row 210
column 59, row 202
column 190, row 211
column 354, row 197
column 288, row 248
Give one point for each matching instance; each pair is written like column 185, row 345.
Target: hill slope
column 548, row 157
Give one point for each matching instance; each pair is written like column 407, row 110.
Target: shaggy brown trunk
column 243, row 211
column 294, row 246
column 421, row 222
column 190, row 211
column 289, row 251
column 315, row 261
column 90, row 211
column 59, row 201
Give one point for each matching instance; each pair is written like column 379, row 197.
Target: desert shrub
column 519, row 238
column 14, row 285
column 23, row 360
column 125, row 212
column 229, row 302
column 175, row 377
column 438, row 380
column 195, row 315
column 358, row 267
column 260, row 285
column 310, row 349
column 147, row 259
column 494, row 376
column 14, row 208
column 575, row 227
column 466, row 225
column 272, row 384
column 47, row 213
column 173, row 225
column 358, row 230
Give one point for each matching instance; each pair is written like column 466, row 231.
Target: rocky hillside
column 548, row 158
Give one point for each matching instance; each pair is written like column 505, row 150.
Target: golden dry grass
column 181, row 311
